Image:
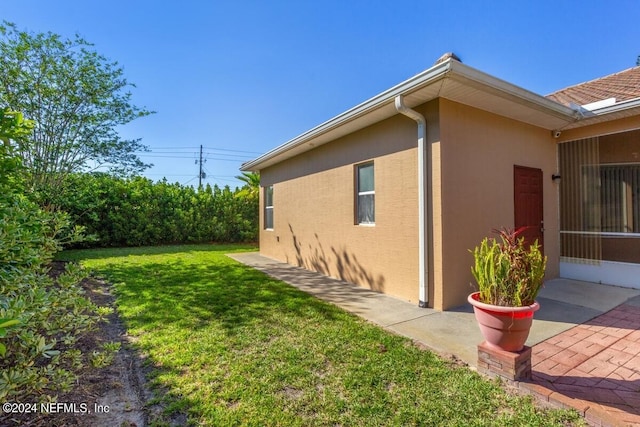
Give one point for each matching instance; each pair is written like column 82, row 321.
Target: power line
column 191, row 157
column 150, row 153
column 176, row 149
column 166, row 157
column 190, row 180
column 219, row 178
column 230, row 155
column 164, row 174
column 231, row 150
column 200, row 154
column 205, row 148
column 142, row 153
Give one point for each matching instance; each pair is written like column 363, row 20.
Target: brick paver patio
column 594, row 367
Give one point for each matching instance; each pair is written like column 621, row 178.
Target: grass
column 231, row 346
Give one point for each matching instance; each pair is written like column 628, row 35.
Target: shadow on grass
column 231, row 346
column 194, row 305
column 106, row 253
column 192, row 295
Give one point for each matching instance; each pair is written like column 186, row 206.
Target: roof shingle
column 622, row 86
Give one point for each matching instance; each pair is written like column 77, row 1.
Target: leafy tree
column 77, row 99
column 41, row 318
column 13, row 126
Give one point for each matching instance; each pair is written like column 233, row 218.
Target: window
column 365, row 199
column 620, row 188
column 600, row 198
column 617, row 198
column 268, row 207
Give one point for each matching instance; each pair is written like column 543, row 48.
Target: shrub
column 41, row 318
column 508, row 273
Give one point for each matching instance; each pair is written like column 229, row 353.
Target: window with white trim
column 366, row 194
column 268, row 207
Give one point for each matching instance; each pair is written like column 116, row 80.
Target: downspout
column 422, row 229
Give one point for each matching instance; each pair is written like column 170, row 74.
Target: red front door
column 527, row 196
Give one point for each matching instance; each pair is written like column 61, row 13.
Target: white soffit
column 451, row 80
column 515, row 109
column 480, row 90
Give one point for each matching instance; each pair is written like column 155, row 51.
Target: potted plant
column 509, row 277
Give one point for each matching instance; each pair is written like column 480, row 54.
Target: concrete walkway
column 585, row 337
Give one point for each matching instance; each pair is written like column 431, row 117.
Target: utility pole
column 201, row 174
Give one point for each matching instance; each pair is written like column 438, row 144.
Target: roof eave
column 617, row 111
column 468, row 76
column 425, row 78
column 620, row 106
column 513, row 92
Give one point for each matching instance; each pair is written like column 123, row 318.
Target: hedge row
column 137, row 212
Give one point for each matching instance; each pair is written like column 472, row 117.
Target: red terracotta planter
column 503, row 328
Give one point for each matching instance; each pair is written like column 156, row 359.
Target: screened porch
column 600, row 208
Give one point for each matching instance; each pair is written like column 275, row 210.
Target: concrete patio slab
column 564, row 304
column 448, row 333
column 585, row 337
column 586, row 294
column 374, row 306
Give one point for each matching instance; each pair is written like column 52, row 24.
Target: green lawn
column 231, row 346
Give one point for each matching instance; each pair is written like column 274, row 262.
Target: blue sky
column 250, row 75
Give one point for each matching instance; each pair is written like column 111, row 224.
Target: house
column 393, row 193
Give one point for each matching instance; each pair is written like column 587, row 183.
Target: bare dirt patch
column 114, row 395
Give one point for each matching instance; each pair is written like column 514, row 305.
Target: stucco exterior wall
column 477, row 154
column 471, row 156
column 314, row 202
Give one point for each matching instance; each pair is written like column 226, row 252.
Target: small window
column 268, row 207
column 366, row 195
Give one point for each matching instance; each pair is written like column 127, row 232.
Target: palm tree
column 251, row 187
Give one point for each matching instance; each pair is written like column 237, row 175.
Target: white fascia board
column 620, row 110
column 447, row 69
column 426, row 77
column 620, row 106
column 510, row 90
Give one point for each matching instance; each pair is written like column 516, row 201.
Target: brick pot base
column 510, row 365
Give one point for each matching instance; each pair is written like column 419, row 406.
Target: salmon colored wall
column 471, row 157
column 314, row 220
column 477, row 153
